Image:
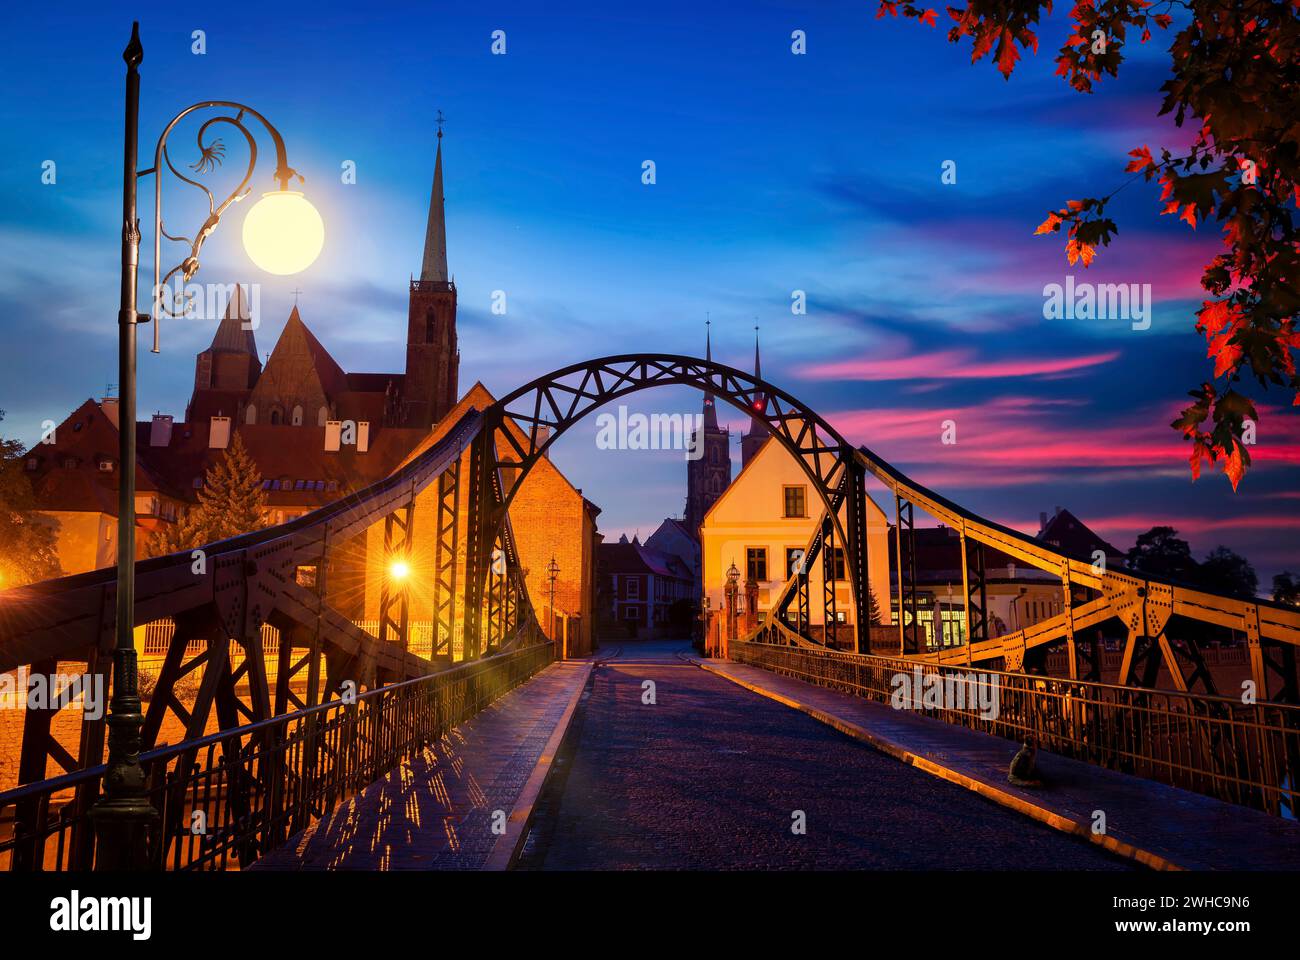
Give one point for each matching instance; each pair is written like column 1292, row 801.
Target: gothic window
column 297, row 415
column 322, row 415
column 275, row 416
column 250, row 416
column 428, row 327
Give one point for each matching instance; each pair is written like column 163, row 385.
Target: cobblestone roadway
column 707, row 778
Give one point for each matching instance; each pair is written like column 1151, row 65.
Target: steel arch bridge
column 281, row 578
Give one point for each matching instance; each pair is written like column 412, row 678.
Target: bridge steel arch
column 520, row 428
column 252, row 580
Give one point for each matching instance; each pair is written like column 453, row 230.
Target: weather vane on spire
column 441, row 120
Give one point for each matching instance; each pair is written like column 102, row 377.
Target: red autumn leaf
column 1189, row 215
column 1233, row 467
column 1007, row 54
column 1053, row 222
column 1142, row 160
column 1214, row 314
column 928, row 18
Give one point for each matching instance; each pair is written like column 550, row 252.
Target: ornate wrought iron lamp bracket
column 211, row 153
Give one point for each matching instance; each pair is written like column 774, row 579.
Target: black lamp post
column 123, row 817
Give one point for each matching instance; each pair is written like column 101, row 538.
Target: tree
column 1236, row 73
column 231, row 502
column 1225, row 571
column 28, row 545
column 873, row 608
column 1161, row 552
column 1286, row 588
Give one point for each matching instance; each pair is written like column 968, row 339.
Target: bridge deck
column 438, row 811
column 1164, row 826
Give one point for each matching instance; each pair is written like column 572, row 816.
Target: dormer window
column 70, row 463
column 33, row 463
column 106, row 466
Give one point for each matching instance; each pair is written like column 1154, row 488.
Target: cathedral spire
column 710, row 414
column 434, row 266
column 759, row 431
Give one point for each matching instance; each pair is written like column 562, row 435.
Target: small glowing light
column 283, row 233
column 399, row 570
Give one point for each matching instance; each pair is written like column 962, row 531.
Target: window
column 796, row 501
column 756, row 563
column 297, row 416
column 630, row 613
column 634, row 587
column 250, row 415
column 793, row 555
column 837, row 564
column 106, row 466
column 33, row 463
column 429, row 324
column 322, row 415
column 70, row 463
column 275, row 417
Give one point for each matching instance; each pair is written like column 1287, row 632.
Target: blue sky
column 775, row 173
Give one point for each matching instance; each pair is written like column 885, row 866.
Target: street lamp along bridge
column 466, row 481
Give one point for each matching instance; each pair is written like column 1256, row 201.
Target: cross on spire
column 440, row 121
column 295, row 296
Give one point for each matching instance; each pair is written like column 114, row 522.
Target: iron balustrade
column 230, row 797
column 1247, row 754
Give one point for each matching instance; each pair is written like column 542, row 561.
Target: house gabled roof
column 1075, row 539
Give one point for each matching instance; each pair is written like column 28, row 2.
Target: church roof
column 297, row 360
column 235, row 332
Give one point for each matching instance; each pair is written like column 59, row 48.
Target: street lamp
column 730, row 591
column 123, row 816
column 553, row 571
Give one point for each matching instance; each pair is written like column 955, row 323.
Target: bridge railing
column 1247, row 754
column 228, row 798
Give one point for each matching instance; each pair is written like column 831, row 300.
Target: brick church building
column 316, row 432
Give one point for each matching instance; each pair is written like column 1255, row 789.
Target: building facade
column 650, row 592
column 763, row 523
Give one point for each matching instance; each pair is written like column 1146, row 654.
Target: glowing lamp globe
column 283, row 233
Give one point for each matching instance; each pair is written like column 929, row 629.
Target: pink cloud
column 1019, row 439
column 950, row 365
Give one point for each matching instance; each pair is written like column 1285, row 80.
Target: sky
column 774, row 173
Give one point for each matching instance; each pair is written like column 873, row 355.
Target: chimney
column 160, row 430
column 219, row 433
column 363, row 436
column 109, row 406
column 333, row 430
column 1042, row 522
column 541, row 433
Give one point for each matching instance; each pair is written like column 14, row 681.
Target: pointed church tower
column 430, row 389
column 709, row 474
column 230, row 363
column 753, row 441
